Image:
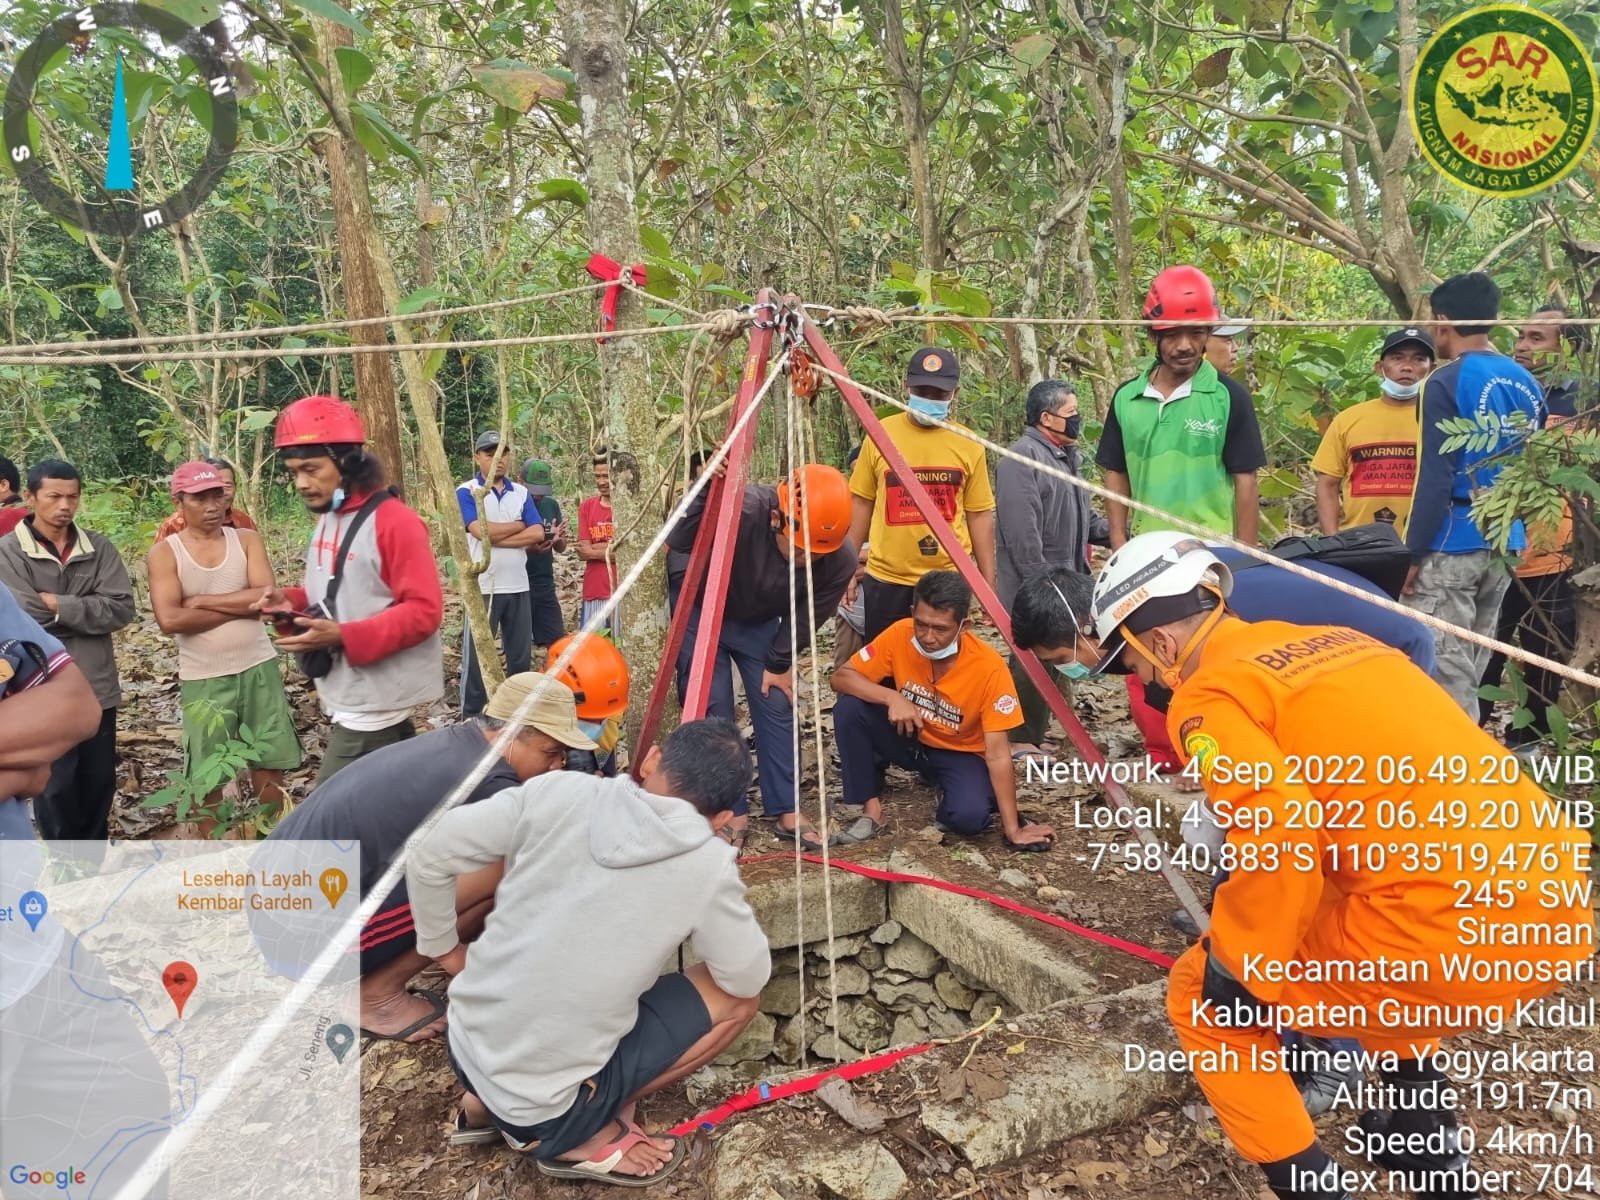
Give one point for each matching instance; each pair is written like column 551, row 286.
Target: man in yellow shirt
column 1367, row 463
column 955, row 470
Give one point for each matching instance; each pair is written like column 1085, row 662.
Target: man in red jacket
column 371, row 599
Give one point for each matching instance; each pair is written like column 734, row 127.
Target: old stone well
column 909, row 964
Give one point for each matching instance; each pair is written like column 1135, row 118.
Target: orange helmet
column 597, row 675
column 820, row 497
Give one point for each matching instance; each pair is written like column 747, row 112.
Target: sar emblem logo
column 1503, row 100
column 1202, row 750
column 932, row 362
column 1006, row 705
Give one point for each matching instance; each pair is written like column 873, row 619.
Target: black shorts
column 390, row 933
column 672, row 1018
column 548, row 625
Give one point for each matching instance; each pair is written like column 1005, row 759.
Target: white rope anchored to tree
column 177, row 1138
column 1213, row 537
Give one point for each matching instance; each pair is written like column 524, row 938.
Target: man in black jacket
column 1044, row 522
column 776, row 526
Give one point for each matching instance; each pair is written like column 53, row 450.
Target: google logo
column 59, row 1179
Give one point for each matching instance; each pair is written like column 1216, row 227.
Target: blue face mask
column 1398, row 391
column 1074, row 670
column 921, row 407
column 338, row 499
column 591, row 729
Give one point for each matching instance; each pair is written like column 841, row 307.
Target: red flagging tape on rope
column 766, row 1093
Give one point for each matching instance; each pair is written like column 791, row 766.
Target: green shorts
column 216, row 710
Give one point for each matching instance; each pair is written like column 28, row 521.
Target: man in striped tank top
column 203, row 581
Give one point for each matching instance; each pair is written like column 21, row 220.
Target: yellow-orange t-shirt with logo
column 1371, row 448
column 975, row 696
column 901, row 547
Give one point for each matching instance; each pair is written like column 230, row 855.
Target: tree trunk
column 595, row 32
column 363, row 297
column 362, row 241
column 908, row 91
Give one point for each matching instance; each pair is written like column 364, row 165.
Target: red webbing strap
column 766, row 1093
column 944, row 885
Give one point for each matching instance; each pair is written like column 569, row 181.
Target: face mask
column 922, row 408
column 1074, row 426
column 955, row 644
column 591, row 729
column 338, row 499
column 1074, row 670
column 1399, row 391
column 1158, row 696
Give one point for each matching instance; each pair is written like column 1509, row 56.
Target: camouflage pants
column 1466, row 590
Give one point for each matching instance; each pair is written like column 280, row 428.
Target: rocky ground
column 805, row 1147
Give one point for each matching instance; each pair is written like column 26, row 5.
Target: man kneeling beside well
column 558, row 1021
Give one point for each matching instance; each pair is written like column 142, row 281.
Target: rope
column 794, row 744
column 1213, row 537
column 12, row 358
column 177, row 1138
column 182, row 339
column 898, row 317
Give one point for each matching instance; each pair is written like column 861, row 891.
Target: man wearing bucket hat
column 954, row 470
column 548, row 624
column 381, row 800
column 1321, row 880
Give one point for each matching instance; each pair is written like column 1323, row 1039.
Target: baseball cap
column 1229, row 328
column 553, row 711
column 932, row 367
column 1401, row 336
column 489, row 439
column 194, row 477
column 537, row 475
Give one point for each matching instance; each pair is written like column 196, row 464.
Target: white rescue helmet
column 1149, row 581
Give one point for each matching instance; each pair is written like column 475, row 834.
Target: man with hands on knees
column 927, row 695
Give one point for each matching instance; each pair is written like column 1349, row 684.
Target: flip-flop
column 600, row 1168
column 864, row 830
column 806, row 834
column 1027, row 847
column 473, row 1135
column 735, row 837
column 433, row 998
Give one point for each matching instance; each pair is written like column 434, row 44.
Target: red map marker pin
column 179, row 979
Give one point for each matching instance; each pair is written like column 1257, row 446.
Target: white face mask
column 1399, row 391
column 936, row 655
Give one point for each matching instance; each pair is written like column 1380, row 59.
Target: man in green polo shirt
column 1180, row 436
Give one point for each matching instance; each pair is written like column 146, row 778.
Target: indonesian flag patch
column 866, row 653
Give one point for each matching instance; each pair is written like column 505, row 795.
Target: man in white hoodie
column 558, row 1019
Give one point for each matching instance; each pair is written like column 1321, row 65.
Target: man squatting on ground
column 927, row 695
column 1313, row 930
column 380, row 800
column 604, row 880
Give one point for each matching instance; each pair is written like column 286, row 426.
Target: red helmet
column 824, row 504
column 318, row 421
column 1181, row 296
column 597, row 675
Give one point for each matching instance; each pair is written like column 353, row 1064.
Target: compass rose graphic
column 175, row 59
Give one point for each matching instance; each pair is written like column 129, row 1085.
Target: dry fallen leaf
column 855, row 1111
column 1154, row 1146
column 1016, row 1048
column 952, row 1084
column 985, row 1086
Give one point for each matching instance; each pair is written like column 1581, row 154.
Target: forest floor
column 409, row 1091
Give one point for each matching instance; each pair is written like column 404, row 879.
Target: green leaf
column 191, row 12
column 1033, row 50
column 108, row 298
column 356, row 68
column 516, row 85
column 569, row 190
column 654, row 242
column 1560, row 727
column 417, row 301
column 329, row 11
column 390, row 136
column 1288, row 59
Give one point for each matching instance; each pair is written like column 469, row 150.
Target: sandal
column 864, row 830
column 1027, row 847
column 735, row 837
column 434, row 999
column 600, row 1168
column 806, row 834
column 463, row 1134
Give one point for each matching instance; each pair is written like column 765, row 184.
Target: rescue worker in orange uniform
column 1392, row 876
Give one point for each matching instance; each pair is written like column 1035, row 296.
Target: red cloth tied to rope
column 605, row 269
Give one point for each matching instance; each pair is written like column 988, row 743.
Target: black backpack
column 1374, row 552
